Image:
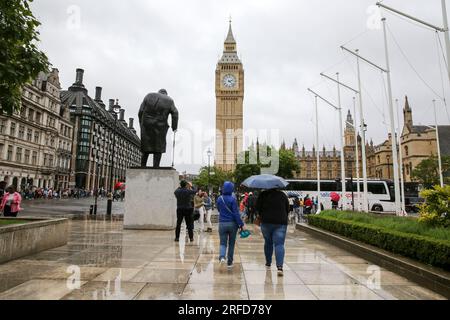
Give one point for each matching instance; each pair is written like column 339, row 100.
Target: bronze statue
column 153, row 115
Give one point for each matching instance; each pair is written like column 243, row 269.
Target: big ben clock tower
column 229, row 105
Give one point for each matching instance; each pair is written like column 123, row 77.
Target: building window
column 19, row 154
column 406, row 151
column 21, row 132
column 38, row 117
column 12, row 130
column 34, row 158
column 31, row 115
column 2, row 125
column 1, row 151
column 29, row 134
column 27, row 156
column 411, row 167
column 36, row 137
column 10, row 153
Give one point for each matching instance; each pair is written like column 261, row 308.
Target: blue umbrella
column 265, row 181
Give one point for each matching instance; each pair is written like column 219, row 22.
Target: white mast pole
column 441, row 178
column 363, row 140
column 317, row 156
column 429, row 25
column 446, row 35
column 400, row 153
column 392, row 124
column 356, row 155
column 342, row 145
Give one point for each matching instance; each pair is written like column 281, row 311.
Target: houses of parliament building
column 418, row 142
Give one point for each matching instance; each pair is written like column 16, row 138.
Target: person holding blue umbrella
column 273, row 208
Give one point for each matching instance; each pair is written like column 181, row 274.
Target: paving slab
column 125, row 264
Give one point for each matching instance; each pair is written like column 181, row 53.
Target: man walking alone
column 185, row 209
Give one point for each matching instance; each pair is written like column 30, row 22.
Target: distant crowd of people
column 75, row 193
column 11, row 199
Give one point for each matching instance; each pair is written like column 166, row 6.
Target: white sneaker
column 222, row 261
column 280, row 271
column 230, row 266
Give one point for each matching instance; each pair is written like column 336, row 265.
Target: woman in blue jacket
column 229, row 222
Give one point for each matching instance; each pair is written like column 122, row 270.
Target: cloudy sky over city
column 131, row 48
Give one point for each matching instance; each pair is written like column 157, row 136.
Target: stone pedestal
column 150, row 203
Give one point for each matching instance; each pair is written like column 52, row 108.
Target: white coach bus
column 380, row 193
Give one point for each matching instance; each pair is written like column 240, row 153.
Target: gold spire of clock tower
column 229, row 105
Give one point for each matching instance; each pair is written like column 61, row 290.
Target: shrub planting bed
column 400, row 235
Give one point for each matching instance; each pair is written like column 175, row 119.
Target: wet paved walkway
column 67, row 207
column 124, row 264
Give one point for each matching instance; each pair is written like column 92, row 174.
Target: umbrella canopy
column 265, row 181
column 119, row 185
column 334, row 196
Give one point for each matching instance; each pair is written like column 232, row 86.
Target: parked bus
column 380, row 193
column 412, row 197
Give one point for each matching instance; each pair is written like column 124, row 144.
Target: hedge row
column 430, row 251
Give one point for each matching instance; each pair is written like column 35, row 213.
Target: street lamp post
column 115, row 109
column 96, row 187
column 209, row 153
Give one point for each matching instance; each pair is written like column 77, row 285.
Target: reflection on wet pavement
column 103, row 261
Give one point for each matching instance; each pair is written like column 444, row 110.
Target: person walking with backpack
column 273, row 208
column 229, row 223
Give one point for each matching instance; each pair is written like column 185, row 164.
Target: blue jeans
column 227, row 234
column 274, row 236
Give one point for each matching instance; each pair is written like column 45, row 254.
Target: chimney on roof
column 122, row 115
column 111, row 105
column 98, row 93
column 79, row 76
column 130, row 125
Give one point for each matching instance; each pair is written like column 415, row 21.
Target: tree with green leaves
column 288, row 164
column 20, row 59
column 255, row 163
column 427, row 171
column 217, row 177
column 435, row 211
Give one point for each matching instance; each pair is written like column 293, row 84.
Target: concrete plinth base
column 150, row 203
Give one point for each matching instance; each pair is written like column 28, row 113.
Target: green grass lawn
column 4, row 222
column 400, row 224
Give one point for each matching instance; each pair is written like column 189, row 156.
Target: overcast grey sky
column 134, row 47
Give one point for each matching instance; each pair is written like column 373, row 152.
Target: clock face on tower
column 229, row 81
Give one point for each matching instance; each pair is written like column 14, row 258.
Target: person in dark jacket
column 251, row 202
column 2, row 188
column 185, row 209
column 229, row 222
column 273, row 208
